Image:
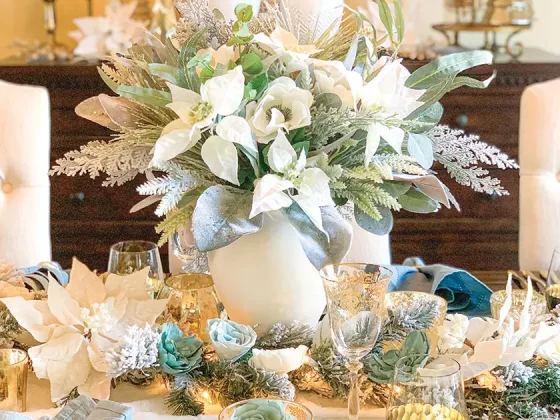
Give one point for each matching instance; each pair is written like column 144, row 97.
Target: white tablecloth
column 149, row 404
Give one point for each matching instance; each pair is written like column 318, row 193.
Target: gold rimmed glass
column 427, row 387
column 131, row 256
column 553, row 281
column 13, row 379
column 267, row 409
column 356, row 310
column 518, row 297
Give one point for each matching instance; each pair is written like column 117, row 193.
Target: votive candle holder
column 518, row 297
column 13, row 379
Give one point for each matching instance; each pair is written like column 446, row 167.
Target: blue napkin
column 463, row 292
column 110, row 410
column 11, row 415
column 76, row 409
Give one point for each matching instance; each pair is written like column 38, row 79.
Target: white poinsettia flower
column 332, row 77
column 388, row 97
column 220, row 95
column 223, row 55
column 283, row 106
column 279, row 361
column 113, row 33
column 281, row 41
column 274, row 192
column 453, row 332
column 78, row 323
column 219, row 151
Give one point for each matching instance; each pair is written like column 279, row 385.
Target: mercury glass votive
column 536, row 309
column 553, row 281
column 193, row 300
column 408, row 299
column 13, row 380
column 266, row 409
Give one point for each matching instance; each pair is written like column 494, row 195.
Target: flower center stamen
column 286, row 112
column 200, row 111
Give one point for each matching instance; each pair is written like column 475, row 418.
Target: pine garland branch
column 283, row 336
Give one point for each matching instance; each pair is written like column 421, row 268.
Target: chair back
column 24, row 180
column 539, row 156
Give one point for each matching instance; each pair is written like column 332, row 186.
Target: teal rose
column 260, row 410
column 230, row 340
column 178, row 354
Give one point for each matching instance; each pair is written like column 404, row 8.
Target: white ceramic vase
column 368, row 248
column 227, row 7
column 265, row 278
column 311, row 14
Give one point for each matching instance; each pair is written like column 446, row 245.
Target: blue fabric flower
column 260, row 410
column 178, row 354
column 231, row 340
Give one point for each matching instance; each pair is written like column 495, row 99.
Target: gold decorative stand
column 452, row 32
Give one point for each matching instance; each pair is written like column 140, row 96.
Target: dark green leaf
column 303, row 145
column 377, row 227
column 252, row 63
column 145, row 95
column 416, row 201
column 297, row 136
column 321, row 249
column 396, row 189
column 257, row 87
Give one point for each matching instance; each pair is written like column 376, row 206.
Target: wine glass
column 183, row 247
column 553, row 281
column 426, row 387
column 355, row 307
column 131, row 256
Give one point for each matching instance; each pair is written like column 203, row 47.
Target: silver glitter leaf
column 321, row 249
column 221, row 217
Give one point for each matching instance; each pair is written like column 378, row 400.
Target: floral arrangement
column 247, row 118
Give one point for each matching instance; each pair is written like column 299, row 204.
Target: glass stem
column 354, row 395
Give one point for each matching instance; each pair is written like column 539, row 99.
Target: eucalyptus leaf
column 472, row 83
column 252, row 63
column 329, row 100
column 165, row 72
column 420, row 147
column 221, row 217
column 386, row 17
column 429, row 185
column 396, row 189
column 189, row 197
column 416, row 201
column 244, row 12
column 322, row 250
column 147, row 96
column 377, row 227
column 256, row 87
column 449, row 65
column 399, row 20
column 430, row 117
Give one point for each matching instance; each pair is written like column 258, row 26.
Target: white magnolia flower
column 332, row 77
column 312, row 184
column 113, row 33
column 279, row 361
column 78, row 323
column 283, row 106
column 219, row 151
column 388, row 97
column 220, row 95
column 453, row 332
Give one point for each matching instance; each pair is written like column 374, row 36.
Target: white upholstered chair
column 24, row 181
column 539, row 155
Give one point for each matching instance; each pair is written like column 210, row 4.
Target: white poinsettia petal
column 282, row 37
column 281, row 153
column 170, row 145
column 97, row 385
column 225, row 93
column 33, row 316
column 64, row 343
column 394, row 136
column 269, row 195
column 221, row 158
column 84, row 286
column 236, row 130
column 96, row 351
column 69, row 373
column 315, row 183
column 39, row 364
column 133, row 286
column 62, row 306
column 372, row 142
column 142, row 312
column 177, row 124
column 311, row 208
column 179, row 94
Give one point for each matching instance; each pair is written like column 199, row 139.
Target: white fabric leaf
column 236, row 130
column 315, row 183
column 269, row 195
column 179, row 94
column 393, row 136
column 84, row 286
column 97, row 385
column 221, row 158
column 225, row 93
column 281, row 153
column 372, row 142
column 170, row 145
column 311, row 208
column 67, row 374
column 64, row 343
column 428, row 184
column 142, row 312
column 420, row 148
column 33, row 316
column 177, row 124
column 62, row 306
column 133, row 286
column 96, row 351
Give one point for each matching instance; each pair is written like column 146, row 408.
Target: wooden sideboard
column 87, row 218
